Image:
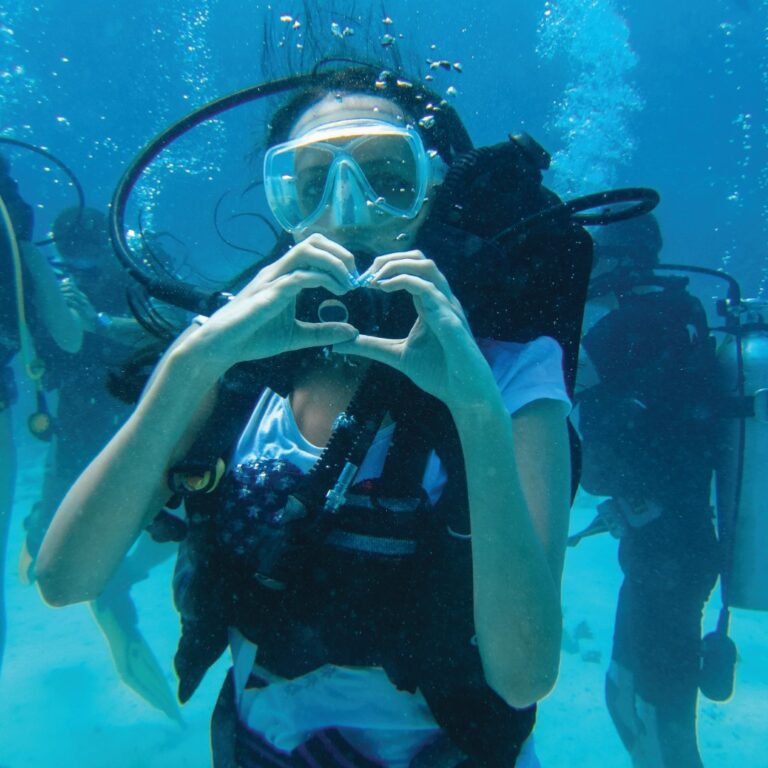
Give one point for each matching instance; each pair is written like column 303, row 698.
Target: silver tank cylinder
column 744, row 532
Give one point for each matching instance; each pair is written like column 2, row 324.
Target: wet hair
column 368, row 61
column 438, row 123
column 344, row 31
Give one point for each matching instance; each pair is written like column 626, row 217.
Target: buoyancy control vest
column 512, row 289
column 521, row 284
column 648, row 425
column 339, row 607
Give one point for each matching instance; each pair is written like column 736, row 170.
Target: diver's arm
column 123, row 330
column 115, row 328
column 517, row 473
column 125, row 485
column 62, row 323
column 518, row 479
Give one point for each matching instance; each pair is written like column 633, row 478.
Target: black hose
column 641, row 199
column 55, row 160
column 734, row 292
column 176, row 292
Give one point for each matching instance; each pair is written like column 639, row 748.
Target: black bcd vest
column 418, row 622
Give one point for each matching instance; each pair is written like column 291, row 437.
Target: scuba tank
column 742, row 501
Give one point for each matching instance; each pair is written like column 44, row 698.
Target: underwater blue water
column 651, row 93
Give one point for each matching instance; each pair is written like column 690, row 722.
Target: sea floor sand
column 62, row 704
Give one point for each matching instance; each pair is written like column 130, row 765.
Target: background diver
column 33, row 316
column 647, row 409
column 87, row 416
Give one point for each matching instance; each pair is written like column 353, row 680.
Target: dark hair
column 305, row 32
column 355, row 46
column 436, row 120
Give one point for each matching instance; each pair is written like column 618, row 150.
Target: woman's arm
column 61, row 322
column 125, row 485
column 518, row 475
column 518, row 478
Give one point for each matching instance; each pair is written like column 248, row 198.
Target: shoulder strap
column 203, row 466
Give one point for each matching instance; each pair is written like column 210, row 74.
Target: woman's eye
column 389, row 181
column 312, row 184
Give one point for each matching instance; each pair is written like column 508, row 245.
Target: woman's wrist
column 192, row 361
column 480, row 414
column 482, row 400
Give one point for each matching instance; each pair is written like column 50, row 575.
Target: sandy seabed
column 63, row 706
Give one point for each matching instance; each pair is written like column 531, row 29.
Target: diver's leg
column 673, row 588
column 224, row 726
column 620, row 680
column 667, row 685
column 635, row 720
column 7, row 483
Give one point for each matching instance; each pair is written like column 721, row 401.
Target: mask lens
column 389, row 165
column 312, row 166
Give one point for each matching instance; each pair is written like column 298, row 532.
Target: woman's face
column 383, row 162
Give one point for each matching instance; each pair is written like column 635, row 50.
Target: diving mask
column 355, row 171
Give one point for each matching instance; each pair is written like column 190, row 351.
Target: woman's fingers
column 314, row 257
column 380, row 261
column 272, row 298
column 321, row 334
column 423, row 268
column 431, row 303
column 326, row 244
column 292, row 283
column 386, row 268
column 388, row 264
column 316, row 253
column 387, row 351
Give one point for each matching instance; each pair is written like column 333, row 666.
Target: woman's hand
column 439, row 354
column 260, row 321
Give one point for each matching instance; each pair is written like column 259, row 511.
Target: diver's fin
column 133, row 658
column 26, row 565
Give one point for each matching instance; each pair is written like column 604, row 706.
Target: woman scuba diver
column 384, row 547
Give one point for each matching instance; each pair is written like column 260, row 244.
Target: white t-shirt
column 382, row 722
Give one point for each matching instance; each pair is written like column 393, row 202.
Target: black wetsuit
column 647, row 431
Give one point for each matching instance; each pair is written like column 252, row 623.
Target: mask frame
column 282, row 177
